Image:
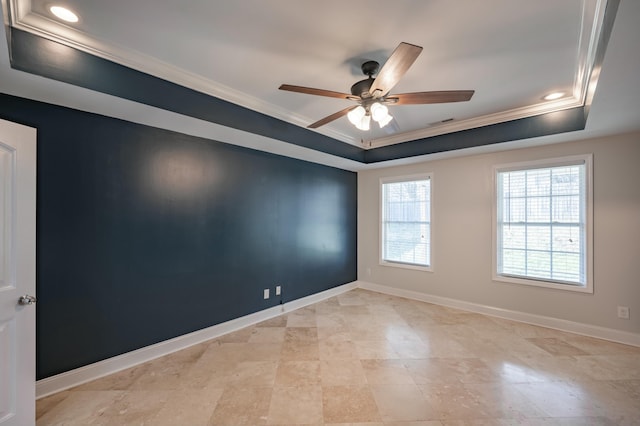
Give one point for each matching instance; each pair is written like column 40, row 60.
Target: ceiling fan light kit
column 356, row 114
column 380, row 114
column 372, row 94
column 361, row 116
column 364, row 123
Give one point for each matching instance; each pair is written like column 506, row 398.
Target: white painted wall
column 462, row 229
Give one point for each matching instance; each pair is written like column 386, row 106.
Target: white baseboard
column 558, row 324
column 81, row 375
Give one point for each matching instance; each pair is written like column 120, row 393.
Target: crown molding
column 591, row 28
column 19, row 14
column 21, row 17
column 472, row 123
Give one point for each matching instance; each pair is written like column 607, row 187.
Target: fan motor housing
column 362, row 87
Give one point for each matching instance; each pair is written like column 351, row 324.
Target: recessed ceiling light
column 64, row 13
column 553, row 96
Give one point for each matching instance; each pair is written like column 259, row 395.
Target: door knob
column 27, row 300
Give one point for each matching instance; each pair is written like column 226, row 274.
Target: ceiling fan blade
column 331, row 117
column 395, row 67
column 438, row 97
column 312, row 91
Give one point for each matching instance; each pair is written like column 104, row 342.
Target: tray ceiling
column 511, row 53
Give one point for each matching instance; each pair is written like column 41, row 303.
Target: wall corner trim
column 87, row 373
column 604, row 333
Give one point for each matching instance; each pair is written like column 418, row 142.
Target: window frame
column 397, row 179
column 587, row 161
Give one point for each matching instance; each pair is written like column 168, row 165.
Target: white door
column 17, row 273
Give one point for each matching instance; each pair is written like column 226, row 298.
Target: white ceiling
column 511, row 52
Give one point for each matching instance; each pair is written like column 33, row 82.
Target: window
column 543, row 223
column 406, row 222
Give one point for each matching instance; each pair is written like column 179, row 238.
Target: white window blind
column 542, row 223
column 406, row 221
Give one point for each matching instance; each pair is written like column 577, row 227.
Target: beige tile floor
column 364, row 358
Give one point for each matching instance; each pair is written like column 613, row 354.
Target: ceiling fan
column 372, row 94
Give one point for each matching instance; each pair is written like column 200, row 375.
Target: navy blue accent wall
column 145, row 234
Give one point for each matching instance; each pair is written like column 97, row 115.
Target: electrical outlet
column 278, row 290
column 266, row 293
column 623, row 312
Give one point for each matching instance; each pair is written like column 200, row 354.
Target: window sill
column 546, row 284
column 406, row 266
